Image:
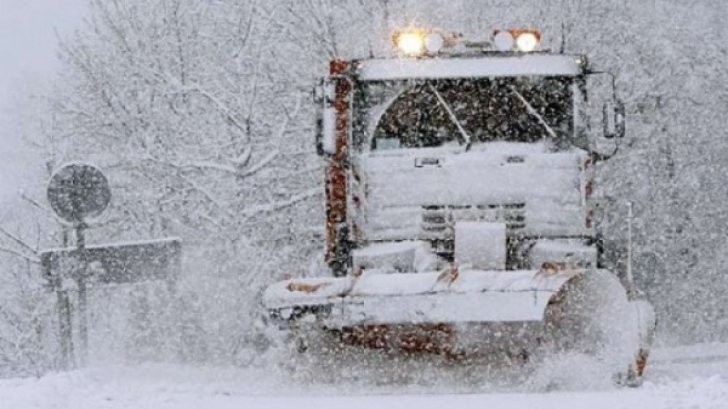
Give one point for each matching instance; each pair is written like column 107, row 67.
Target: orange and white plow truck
column 460, row 209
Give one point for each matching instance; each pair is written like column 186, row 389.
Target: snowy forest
column 199, row 112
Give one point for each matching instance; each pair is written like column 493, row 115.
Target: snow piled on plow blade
column 563, row 322
column 473, row 296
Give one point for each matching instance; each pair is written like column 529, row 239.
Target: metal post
column 630, row 276
column 64, row 322
column 82, row 296
column 64, row 315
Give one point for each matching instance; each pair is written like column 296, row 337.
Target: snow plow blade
column 478, row 317
column 417, row 298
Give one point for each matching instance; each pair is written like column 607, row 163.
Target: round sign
column 78, row 192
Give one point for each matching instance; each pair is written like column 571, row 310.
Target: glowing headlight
column 527, row 41
column 410, row 43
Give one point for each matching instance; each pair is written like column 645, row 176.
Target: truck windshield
column 411, row 114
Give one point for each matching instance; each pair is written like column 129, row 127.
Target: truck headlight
column 527, row 41
column 410, row 42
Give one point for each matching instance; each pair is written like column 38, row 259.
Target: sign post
column 82, row 295
column 78, row 193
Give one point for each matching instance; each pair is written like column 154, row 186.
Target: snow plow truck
column 460, row 209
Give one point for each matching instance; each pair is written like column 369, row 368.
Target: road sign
column 116, row 263
column 104, row 264
column 78, row 192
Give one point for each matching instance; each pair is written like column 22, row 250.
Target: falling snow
column 482, row 191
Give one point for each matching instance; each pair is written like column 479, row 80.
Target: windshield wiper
column 531, row 110
column 453, row 118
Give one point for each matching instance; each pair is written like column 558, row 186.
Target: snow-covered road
column 692, row 377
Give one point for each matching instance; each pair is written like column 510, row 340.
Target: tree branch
column 21, row 255
column 272, row 207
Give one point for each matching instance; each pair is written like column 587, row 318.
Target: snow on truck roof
column 468, row 67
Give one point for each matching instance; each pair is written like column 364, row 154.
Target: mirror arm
column 601, row 157
column 611, row 76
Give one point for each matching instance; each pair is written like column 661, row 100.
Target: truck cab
column 417, row 145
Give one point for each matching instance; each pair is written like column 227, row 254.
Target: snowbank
column 181, row 387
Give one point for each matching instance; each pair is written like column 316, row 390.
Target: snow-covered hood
column 537, row 191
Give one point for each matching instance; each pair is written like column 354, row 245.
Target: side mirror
column 613, row 117
column 325, row 129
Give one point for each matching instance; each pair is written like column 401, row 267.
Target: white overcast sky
column 27, row 52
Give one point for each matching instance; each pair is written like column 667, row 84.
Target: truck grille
column 440, row 220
